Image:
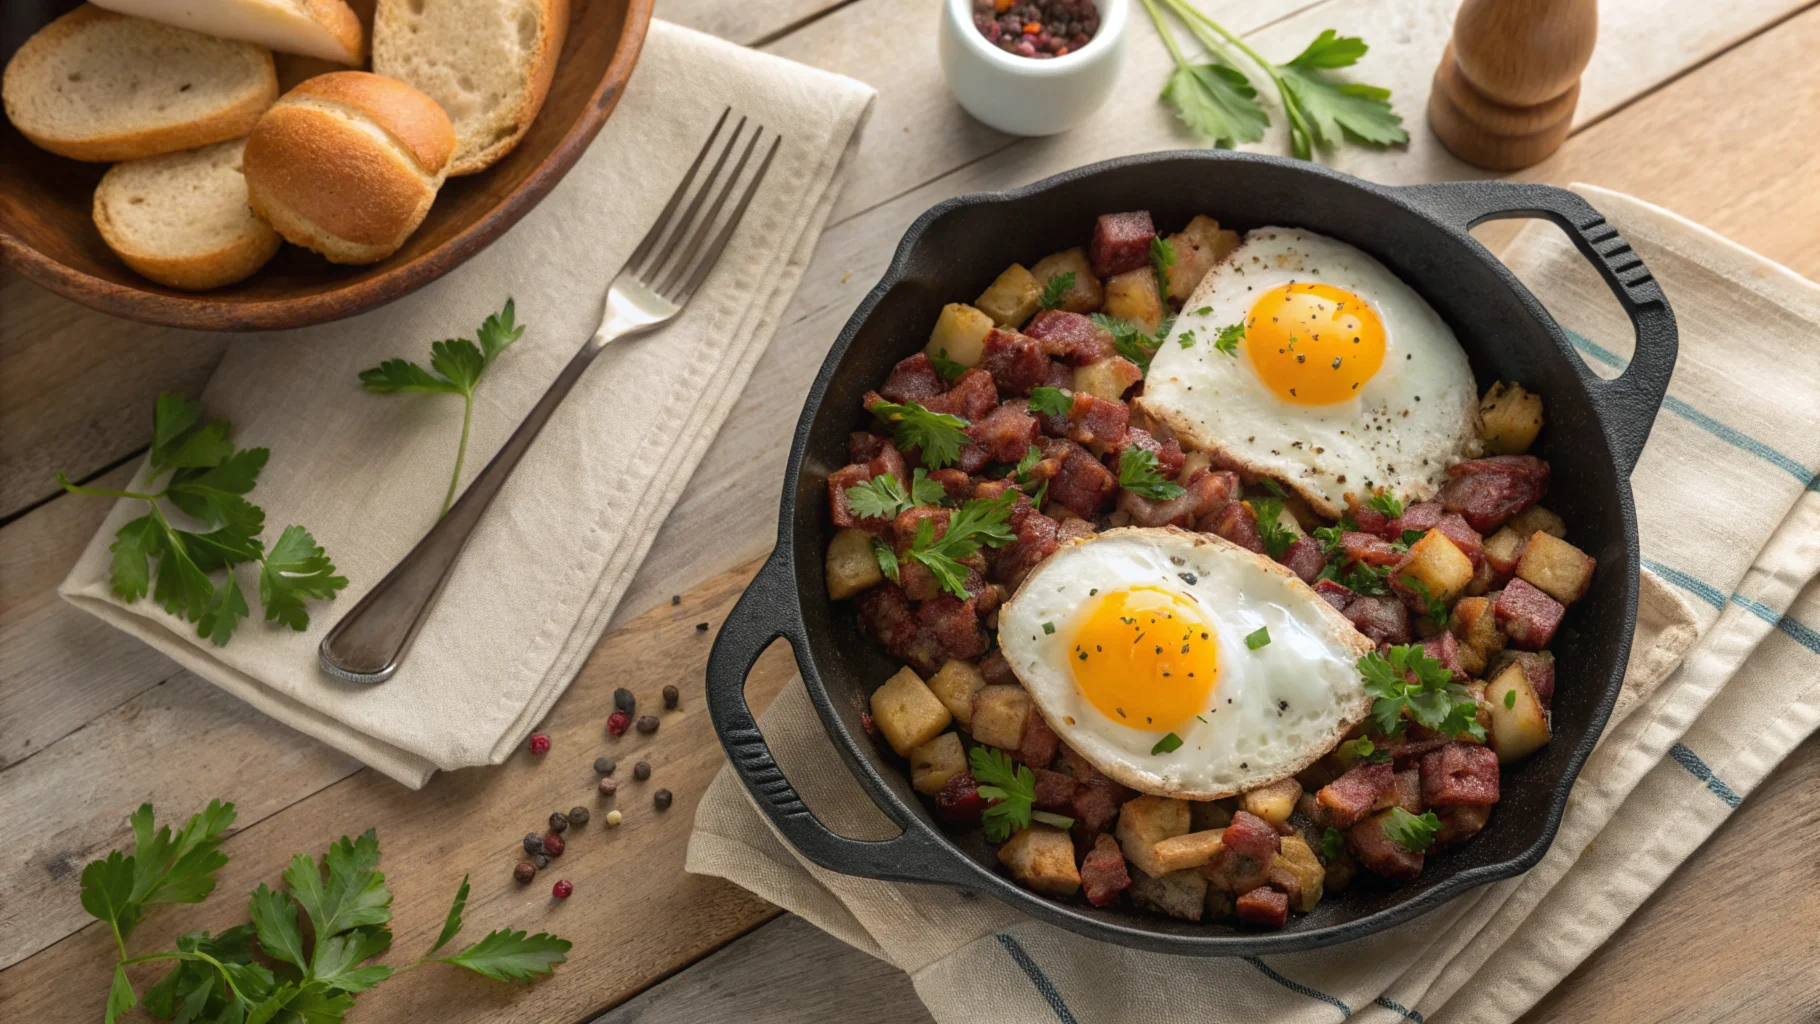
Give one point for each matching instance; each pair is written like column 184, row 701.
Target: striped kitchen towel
column 1724, row 682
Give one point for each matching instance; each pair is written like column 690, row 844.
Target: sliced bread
column 95, row 85
column 488, row 63
column 182, row 219
column 314, row 28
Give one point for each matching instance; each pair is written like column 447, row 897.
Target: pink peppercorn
column 618, row 722
column 540, row 744
column 553, row 844
column 562, row 889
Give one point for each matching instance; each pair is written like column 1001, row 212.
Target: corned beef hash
column 1215, row 579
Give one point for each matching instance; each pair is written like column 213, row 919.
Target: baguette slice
column 488, row 63
column 182, row 219
column 95, row 85
column 314, row 28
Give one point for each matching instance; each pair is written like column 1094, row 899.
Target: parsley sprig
column 1434, row 610
column 195, row 576
column 940, row 435
column 1130, row 339
column 947, row 368
column 1056, row 289
column 456, row 366
column 884, row 495
column 1230, row 336
column 1410, row 681
column 981, row 521
column 344, row 899
column 1213, row 98
column 1162, row 258
column 1271, row 530
column 1012, row 788
column 1049, row 401
column 1413, row 832
column 1388, row 504
column 1138, row 473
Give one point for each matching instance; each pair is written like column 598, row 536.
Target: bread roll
column 348, row 164
column 181, row 219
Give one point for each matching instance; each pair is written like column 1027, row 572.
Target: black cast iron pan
column 1594, row 433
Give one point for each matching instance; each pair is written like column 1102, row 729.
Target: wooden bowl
column 47, row 231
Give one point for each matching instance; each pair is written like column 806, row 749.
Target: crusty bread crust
column 342, row 23
column 396, row 107
column 236, row 261
column 230, row 122
column 537, row 89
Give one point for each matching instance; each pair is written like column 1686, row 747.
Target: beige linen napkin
column 549, row 562
column 1723, row 682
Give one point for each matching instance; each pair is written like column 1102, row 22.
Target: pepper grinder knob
column 1505, row 91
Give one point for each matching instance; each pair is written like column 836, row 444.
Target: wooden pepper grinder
column 1505, row 91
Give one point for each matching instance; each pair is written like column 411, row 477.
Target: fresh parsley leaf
column 1056, row 289
column 1333, row 843
column 940, row 436
column 925, row 491
column 216, row 495
column 1510, row 699
column 507, row 955
column 1362, row 749
column 1230, row 336
column 274, row 917
column 947, row 368
column 1325, row 111
column 224, row 612
column 1021, row 472
column 1258, row 638
column 1167, row 744
column 354, row 893
column 164, row 867
column 1215, row 100
column 1010, row 787
column 979, row 521
column 1138, row 474
column 451, row 925
column 134, row 545
column 880, row 497
column 1185, row 339
column 1329, row 536
column 1130, row 339
column 1050, row 401
column 193, row 990
column 1162, row 259
column 120, row 996
column 295, row 570
column 1408, row 681
column 1204, row 311
column 1433, row 609
column 1386, row 503
column 1275, row 535
column 1412, row 832
column 886, row 558
column 1411, row 536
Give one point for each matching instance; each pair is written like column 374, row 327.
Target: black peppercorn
column 524, row 872
column 671, row 696
column 578, row 816
column 533, row 843
column 647, row 724
column 701, row 627
column 608, row 787
column 605, row 765
column 661, row 799
column 559, row 822
column 624, row 701
column 542, row 859
column 641, row 771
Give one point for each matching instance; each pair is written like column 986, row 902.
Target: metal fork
column 649, row 291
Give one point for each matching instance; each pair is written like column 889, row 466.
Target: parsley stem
column 101, row 492
column 461, row 451
column 1298, row 126
column 1156, row 16
column 180, row 955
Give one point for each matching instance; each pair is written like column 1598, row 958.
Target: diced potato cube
column 1198, row 247
column 852, row 566
column 1299, row 859
column 1501, row 552
column 1013, row 298
column 1192, row 464
column 1476, row 627
column 1509, row 418
column 999, row 713
column 1534, row 518
column 1043, row 859
column 1146, row 821
column 1440, row 564
column 1182, row 894
column 1206, row 814
column 1481, row 580
column 1183, row 852
column 1555, row 567
column 955, row 684
column 1108, row 378
column 960, row 334
column 907, row 713
column 937, row 761
column 1086, row 295
column 1133, row 296
column 1519, row 726
column 1275, row 802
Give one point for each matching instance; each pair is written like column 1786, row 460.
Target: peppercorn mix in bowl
column 1034, row 67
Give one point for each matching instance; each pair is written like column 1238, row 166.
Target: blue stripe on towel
column 1391, row 1004
column 1296, row 986
column 1686, row 758
column 1797, row 631
column 1699, row 588
column 1041, row 981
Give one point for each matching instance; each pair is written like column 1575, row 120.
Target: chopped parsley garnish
column 1185, row 339
column 1433, row 609
column 1230, row 336
column 1273, row 487
column 884, row 495
column 1362, row 749
column 1413, row 832
column 1050, row 401
column 1510, row 699
column 1048, row 629
column 1162, row 257
column 1129, row 339
column 1275, row 535
column 979, row 521
column 1260, row 638
column 1139, row 475
column 1012, row 788
column 1409, row 680
column 886, row 558
column 1056, row 290
column 939, row 434
column 1411, row 536
column 1203, row 311
column 1387, row 504
column 1333, row 843
column 1167, row 744
column 948, row 368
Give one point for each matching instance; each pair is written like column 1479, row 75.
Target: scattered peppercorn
column 675, row 599
column 624, row 701
column 608, row 787
column 578, row 816
column 701, row 627
column 533, row 843
column 614, row 818
column 641, row 771
column 524, row 872
column 552, row 844
column 605, row 765
column 661, row 799
column 540, row 744
column 562, row 889
column 647, row 724
column 559, row 822
column 542, row 859
column 671, row 697
column 618, row 722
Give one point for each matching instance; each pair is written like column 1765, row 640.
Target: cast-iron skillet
column 1594, row 433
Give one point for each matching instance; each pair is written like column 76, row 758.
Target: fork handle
column 368, row 643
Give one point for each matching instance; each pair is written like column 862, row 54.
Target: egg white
column 1413, row 418
column 1273, row 711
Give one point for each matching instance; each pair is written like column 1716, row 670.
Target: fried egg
column 1133, row 644
column 1345, row 379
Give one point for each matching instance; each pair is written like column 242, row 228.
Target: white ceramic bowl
column 1025, row 95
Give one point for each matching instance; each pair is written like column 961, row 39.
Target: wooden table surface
column 1712, row 110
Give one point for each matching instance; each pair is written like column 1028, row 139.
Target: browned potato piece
column 1086, row 295
column 1534, row 518
column 1555, row 567
column 1510, row 418
column 959, row 334
column 1440, row 564
column 1133, row 296
column 1275, row 802
column 998, row 716
column 1197, row 248
column 1299, row 859
column 1146, row 821
column 1012, row 299
column 1501, row 551
column 1206, row 814
column 1476, row 626
column 1108, row 378
column 1043, row 859
column 1519, row 726
column 1181, row 853
column 1481, row 580
column 937, row 761
column 955, row 684
column 907, row 713
column 1182, row 894
column 851, row 567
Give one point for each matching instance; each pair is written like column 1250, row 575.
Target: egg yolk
column 1313, row 343
column 1145, row 657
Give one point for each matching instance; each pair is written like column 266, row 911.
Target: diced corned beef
column 1060, row 375
column 913, row 380
column 1421, row 517
column 1409, row 752
column 956, row 483
column 1015, row 361
column 1204, row 495
column 1169, row 454
column 1098, row 423
column 1336, row 594
column 886, row 617
column 1070, row 337
column 1121, row 242
column 1369, row 548
column 1095, row 807
column 1489, row 491
column 1263, row 907
column 1103, row 874
column 904, row 527
column 996, row 669
column 1304, row 558
column 918, row 580
column 958, row 802
column 863, row 446
column 1370, row 520
column 1460, row 773
column 1069, row 760
column 1082, row 485
column 1455, row 528
column 1006, row 432
column 1238, row 523
column 1350, row 797
column 1247, row 847
column 1380, row 854
column 1054, row 790
column 971, row 396
column 886, row 462
column 1539, row 669
column 954, row 625
column 1460, row 823
column 1405, row 791
column 1040, row 741
column 1528, row 616
column 1383, row 620
column 1446, row 650
column 1035, row 541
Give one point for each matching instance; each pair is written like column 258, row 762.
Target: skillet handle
column 769, row 609
column 1628, row 404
